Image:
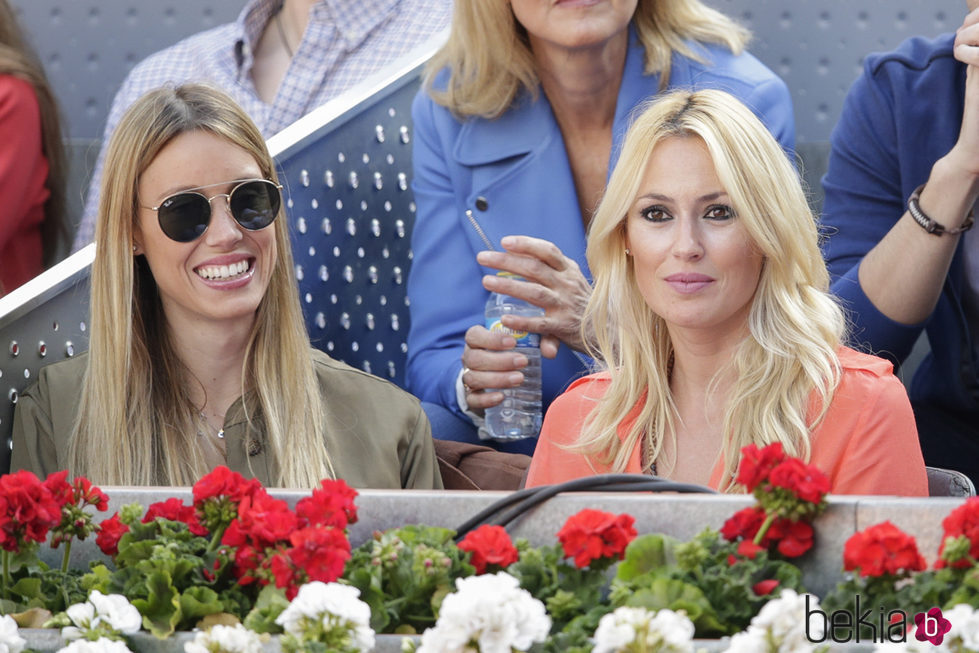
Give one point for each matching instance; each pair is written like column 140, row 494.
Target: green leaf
column 161, row 610
column 27, row 588
column 644, row 554
column 198, row 602
column 269, row 605
column 672, row 594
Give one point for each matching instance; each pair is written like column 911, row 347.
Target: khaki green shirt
column 376, row 434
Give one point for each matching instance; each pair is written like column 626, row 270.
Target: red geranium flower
column 593, row 534
column 964, row 520
column 756, row 464
column 807, row 482
column 59, row 487
column 792, row 538
column 111, row 531
column 266, row 520
column 743, row 524
column 332, row 504
column 489, row 545
column 320, row 552
column 28, row 510
column 882, row 549
column 175, row 510
column 748, row 549
column 222, row 482
column 86, row 493
column 765, row 587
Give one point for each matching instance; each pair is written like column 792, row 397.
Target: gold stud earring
column 628, row 252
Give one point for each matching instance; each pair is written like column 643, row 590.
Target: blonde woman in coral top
column 716, row 323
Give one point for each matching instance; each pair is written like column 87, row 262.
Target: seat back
column 43, row 321
column 346, row 168
column 949, row 483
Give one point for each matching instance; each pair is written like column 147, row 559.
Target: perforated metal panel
column 817, row 46
column 88, row 46
column 42, row 322
column 351, row 213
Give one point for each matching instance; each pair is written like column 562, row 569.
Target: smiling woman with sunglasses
column 199, row 355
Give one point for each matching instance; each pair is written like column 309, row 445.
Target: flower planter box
column 679, row 515
column 49, row 641
column 45, row 640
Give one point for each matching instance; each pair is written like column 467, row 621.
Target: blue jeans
column 446, row 425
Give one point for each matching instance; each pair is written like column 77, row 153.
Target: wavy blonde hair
column 795, row 326
column 489, row 60
column 131, row 357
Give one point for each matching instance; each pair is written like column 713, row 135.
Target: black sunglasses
column 185, row 216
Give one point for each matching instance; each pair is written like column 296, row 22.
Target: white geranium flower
column 117, row 612
column 225, row 639
column 491, row 611
column 749, row 641
column 782, row 622
column 102, row 615
column 10, row 639
column 663, row 631
column 965, row 627
column 83, row 616
column 102, row 645
column 323, row 608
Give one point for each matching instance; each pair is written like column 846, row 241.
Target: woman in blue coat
column 516, row 130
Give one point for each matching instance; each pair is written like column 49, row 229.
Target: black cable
column 531, row 497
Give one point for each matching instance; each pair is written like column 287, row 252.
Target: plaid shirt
column 345, row 41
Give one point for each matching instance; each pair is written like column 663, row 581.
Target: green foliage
column 566, row 591
column 269, row 605
column 704, row 577
column 170, row 576
column 403, row 574
column 33, row 584
column 161, row 607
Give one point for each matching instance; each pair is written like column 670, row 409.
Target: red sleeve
column 20, row 154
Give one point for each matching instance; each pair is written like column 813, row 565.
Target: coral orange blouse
column 867, row 442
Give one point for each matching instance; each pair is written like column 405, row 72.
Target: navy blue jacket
column 900, row 116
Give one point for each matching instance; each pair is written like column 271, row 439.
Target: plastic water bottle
column 519, row 415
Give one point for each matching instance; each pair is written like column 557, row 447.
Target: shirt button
column 481, row 203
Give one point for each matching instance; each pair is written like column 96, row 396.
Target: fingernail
column 507, row 240
column 520, row 360
column 509, row 342
column 515, row 378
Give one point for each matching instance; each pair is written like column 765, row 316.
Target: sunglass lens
column 255, row 204
column 184, row 217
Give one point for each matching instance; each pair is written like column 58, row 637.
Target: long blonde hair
column 795, row 327
column 131, row 358
column 489, row 60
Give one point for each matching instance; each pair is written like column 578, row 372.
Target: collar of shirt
column 354, row 20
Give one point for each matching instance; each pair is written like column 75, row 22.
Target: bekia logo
column 866, row 625
column 931, row 626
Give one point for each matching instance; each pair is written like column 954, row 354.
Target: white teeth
column 222, row 271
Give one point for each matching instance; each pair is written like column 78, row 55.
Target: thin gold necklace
column 282, row 31
column 220, row 432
